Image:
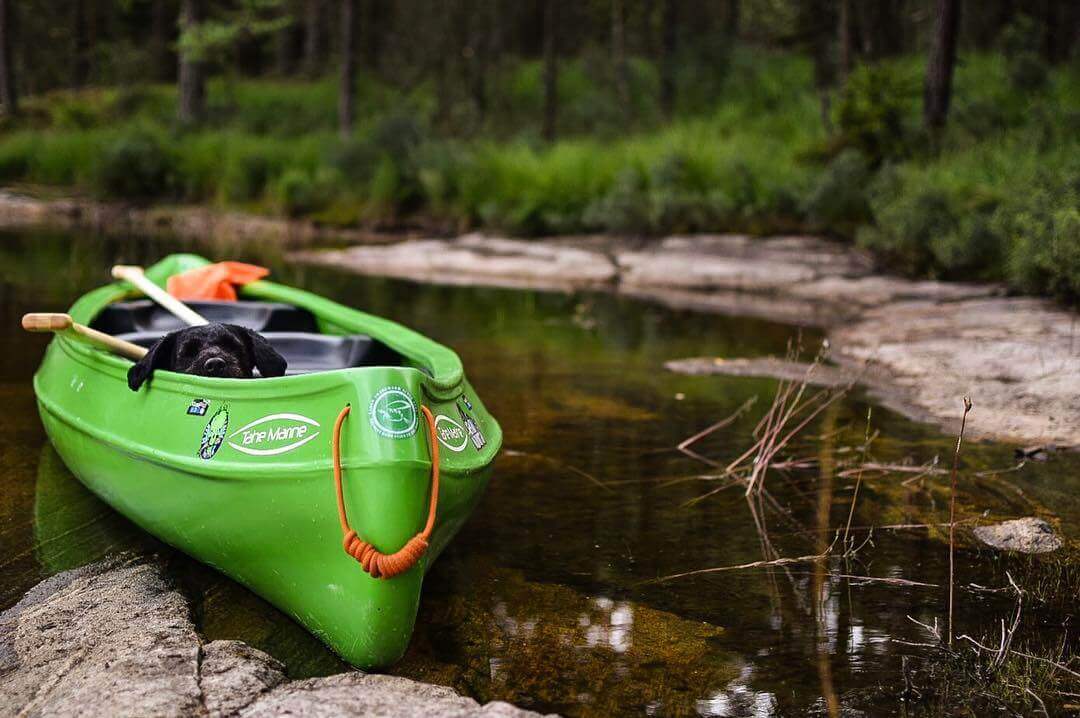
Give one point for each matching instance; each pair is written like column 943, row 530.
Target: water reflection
column 738, row 700
column 548, row 598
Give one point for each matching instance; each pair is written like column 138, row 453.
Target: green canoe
column 240, row 474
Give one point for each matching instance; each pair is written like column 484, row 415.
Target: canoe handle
column 381, row 565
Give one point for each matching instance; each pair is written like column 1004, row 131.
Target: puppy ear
column 158, row 357
column 267, row 359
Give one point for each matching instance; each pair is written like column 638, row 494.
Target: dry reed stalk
column 858, row 478
column 952, row 511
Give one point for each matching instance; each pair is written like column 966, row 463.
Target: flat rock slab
column 816, row 375
column 116, row 639
column 1017, row 358
column 1026, row 535
column 476, row 259
column 372, row 696
column 920, row 346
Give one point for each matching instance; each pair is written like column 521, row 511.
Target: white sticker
column 274, row 434
column 451, row 434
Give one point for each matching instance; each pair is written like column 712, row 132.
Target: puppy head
column 219, row 350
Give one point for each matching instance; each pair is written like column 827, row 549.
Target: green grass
column 993, row 199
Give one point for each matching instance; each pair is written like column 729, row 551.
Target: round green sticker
column 393, row 413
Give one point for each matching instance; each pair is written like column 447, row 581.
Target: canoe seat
column 307, row 353
column 143, row 315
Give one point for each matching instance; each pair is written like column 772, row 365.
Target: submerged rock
column 1026, row 535
column 550, row 647
column 115, row 638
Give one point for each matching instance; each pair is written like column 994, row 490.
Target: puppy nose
column 214, row 366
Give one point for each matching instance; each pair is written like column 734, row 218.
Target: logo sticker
column 274, row 434
column 450, row 433
column 475, row 435
column 214, row 434
column 198, row 407
column 393, row 413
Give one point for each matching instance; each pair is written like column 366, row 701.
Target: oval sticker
column 451, row 434
column 274, row 434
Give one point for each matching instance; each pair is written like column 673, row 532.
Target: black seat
column 306, row 353
column 143, row 315
column 292, row 331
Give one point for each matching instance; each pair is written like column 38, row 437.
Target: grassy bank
column 995, row 198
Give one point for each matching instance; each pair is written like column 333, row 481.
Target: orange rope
column 381, row 565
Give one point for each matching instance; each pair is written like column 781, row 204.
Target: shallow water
column 549, row 596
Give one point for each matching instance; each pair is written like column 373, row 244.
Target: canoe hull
column 237, row 474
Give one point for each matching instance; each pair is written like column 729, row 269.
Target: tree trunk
column 618, row 52
column 733, row 19
column 347, row 93
column 313, row 38
column 8, row 96
column 285, row 43
column 668, row 30
column 192, row 89
column 551, row 69
column 939, row 69
column 80, row 71
column 484, row 43
column 159, row 30
column 844, row 32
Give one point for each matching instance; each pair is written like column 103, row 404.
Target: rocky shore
column 919, row 347
column 116, row 638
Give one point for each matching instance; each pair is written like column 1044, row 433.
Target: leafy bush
column 245, row 177
column 1043, row 228
column 838, row 200
column 1021, row 41
column 874, row 108
column 135, row 166
column 295, row 192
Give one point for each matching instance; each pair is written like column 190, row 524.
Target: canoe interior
column 292, row 331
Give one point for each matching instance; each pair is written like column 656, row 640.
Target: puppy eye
column 188, row 349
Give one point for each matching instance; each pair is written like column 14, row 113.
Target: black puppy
column 221, row 350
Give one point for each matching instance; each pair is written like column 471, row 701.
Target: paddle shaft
column 64, row 324
column 134, row 275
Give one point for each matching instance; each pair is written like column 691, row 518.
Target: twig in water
column 952, row 511
column 560, row 464
column 858, row 480
column 932, row 630
column 887, row 580
column 753, row 564
column 686, row 443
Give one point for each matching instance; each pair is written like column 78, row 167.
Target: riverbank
column 116, row 638
column 919, row 347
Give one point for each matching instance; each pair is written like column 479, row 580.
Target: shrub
column 1021, row 41
column 135, row 166
column 873, row 110
column 245, row 177
column 906, row 227
column 838, row 201
column 626, row 208
column 295, row 192
column 1042, row 226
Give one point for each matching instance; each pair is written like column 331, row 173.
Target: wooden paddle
column 134, row 275
column 64, row 324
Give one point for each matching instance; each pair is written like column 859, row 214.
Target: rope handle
column 381, row 565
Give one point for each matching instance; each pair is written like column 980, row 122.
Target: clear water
column 549, row 597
